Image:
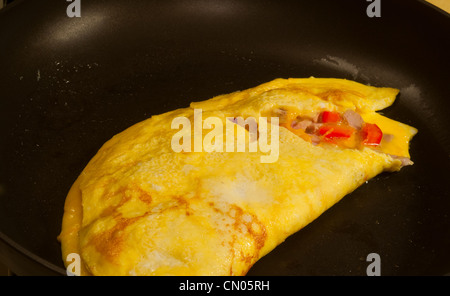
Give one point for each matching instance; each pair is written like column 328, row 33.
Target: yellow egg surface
column 140, row 208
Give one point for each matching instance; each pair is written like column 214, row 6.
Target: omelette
column 141, row 207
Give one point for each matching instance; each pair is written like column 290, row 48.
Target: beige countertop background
column 442, row 4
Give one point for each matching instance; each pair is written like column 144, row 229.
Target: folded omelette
column 141, row 208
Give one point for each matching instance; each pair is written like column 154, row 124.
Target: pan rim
column 30, row 255
column 437, row 9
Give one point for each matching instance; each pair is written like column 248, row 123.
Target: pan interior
column 70, row 84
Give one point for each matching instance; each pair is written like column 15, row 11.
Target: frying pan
column 70, row 84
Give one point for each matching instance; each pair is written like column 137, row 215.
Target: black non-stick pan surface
column 70, row 84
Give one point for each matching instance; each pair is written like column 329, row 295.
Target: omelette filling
column 346, row 130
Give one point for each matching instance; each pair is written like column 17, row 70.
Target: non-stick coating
column 70, row 84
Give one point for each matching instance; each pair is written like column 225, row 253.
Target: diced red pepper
column 371, row 134
column 336, row 131
column 330, row 117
